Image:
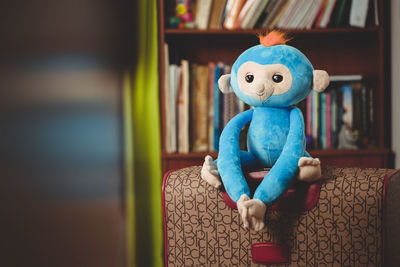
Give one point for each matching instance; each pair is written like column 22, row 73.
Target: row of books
column 269, row 14
column 195, row 109
column 342, row 116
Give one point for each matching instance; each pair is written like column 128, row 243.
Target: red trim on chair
column 270, row 253
column 257, row 176
column 164, row 216
column 384, row 211
column 228, row 201
column 302, row 196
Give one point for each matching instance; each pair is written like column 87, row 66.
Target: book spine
column 167, row 106
column 334, row 118
column 252, row 20
column 183, row 109
column 328, row 120
column 203, row 14
column 315, row 14
column 364, row 115
column 323, row 120
column 233, row 14
column 217, row 106
column 347, row 106
column 308, row 115
column 315, row 119
column 358, row 13
column 211, row 80
column 201, row 142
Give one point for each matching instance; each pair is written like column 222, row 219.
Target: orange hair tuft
column 273, row 38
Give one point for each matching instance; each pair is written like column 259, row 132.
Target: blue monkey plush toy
column 272, row 77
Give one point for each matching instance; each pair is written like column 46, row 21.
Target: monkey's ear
column 224, row 83
column 320, row 81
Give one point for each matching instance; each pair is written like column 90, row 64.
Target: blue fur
column 276, row 135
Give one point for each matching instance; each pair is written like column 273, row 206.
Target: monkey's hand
column 252, row 212
column 309, row 169
column 209, row 172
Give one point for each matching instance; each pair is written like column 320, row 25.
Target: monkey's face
column 262, row 81
column 276, row 76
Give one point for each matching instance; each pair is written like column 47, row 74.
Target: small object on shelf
column 347, row 138
column 174, row 22
column 183, row 11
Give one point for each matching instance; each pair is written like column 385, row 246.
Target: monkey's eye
column 249, row 78
column 277, row 78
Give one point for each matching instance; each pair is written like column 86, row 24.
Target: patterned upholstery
column 344, row 229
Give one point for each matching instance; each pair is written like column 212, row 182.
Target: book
column 343, row 5
column 201, row 110
column 267, row 12
column 328, row 132
column 323, row 122
column 251, row 20
column 376, row 16
column 334, row 117
column 299, row 14
column 321, row 13
column 243, row 12
column 345, row 78
column 315, row 119
column 217, row 11
column 371, row 131
column 226, row 102
column 364, row 116
column 211, row 81
column 174, row 79
column 233, row 14
column 217, row 105
column 280, row 10
column 167, row 101
column 308, row 115
column 193, row 108
column 358, row 13
column 314, row 13
column 327, row 14
column 356, row 106
column 183, row 109
column 203, row 10
column 347, row 105
column 289, row 13
column 228, row 8
column 307, row 15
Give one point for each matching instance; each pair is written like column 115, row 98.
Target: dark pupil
column 277, row 78
column 249, row 78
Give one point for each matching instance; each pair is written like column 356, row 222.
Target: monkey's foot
column 309, row 169
column 209, row 172
column 252, row 212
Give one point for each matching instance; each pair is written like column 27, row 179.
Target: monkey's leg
column 209, row 171
column 309, row 169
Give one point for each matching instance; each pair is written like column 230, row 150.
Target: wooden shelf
column 337, row 50
column 256, row 31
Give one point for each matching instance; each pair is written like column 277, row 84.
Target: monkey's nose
column 265, row 88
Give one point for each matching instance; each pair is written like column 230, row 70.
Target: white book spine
column 358, row 13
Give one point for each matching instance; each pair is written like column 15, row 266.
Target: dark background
column 61, row 132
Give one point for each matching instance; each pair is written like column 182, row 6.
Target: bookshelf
column 339, row 51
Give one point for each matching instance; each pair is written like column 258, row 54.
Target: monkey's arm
column 276, row 182
column 229, row 163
